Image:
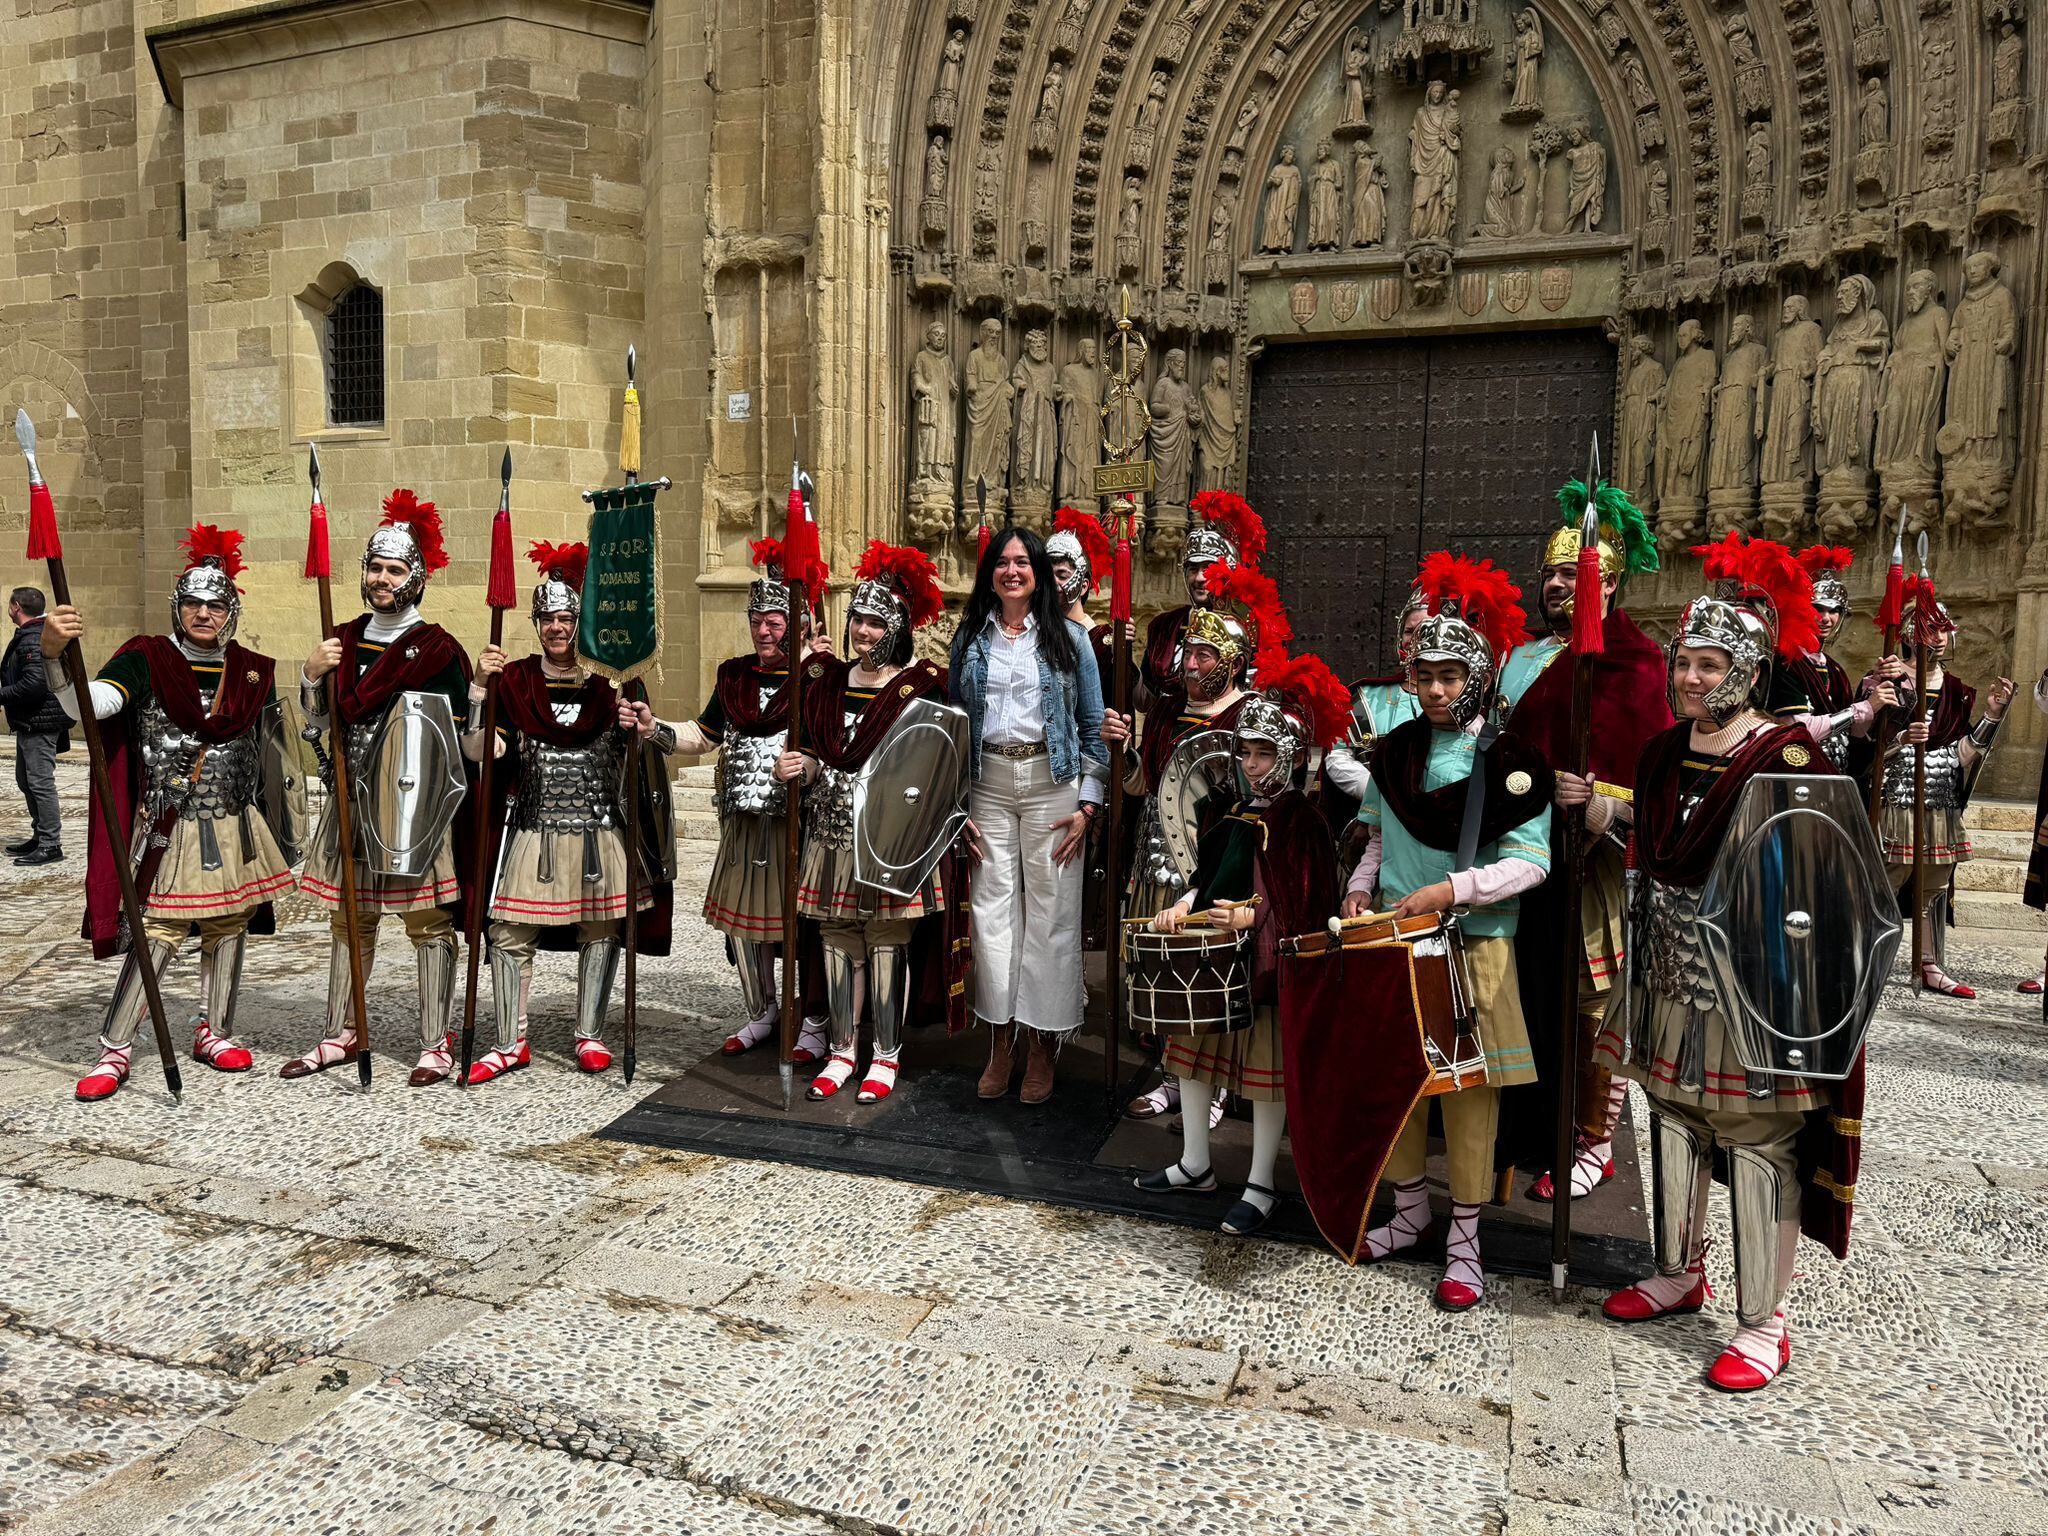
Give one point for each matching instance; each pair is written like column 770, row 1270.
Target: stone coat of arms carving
column 1344, row 302
column 1513, row 291
column 1302, row 300
column 1384, row 296
column 1471, row 292
column 1554, row 287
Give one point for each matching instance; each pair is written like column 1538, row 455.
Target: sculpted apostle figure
column 1909, row 411
column 989, row 393
column 1682, row 427
column 1586, row 191
column 1977, row 433
column 1216, row 255
column 1172, row 443
column 952, row 62
column 1283, row 204
column 1738, row 409
column 1433, row 145
column 1641, row 399
column 1325, row 200
column 1788, row 418
column 1080, row 400
column 1357, row 76
column 1846, row 377
column 1636, row 81
column 1037, row 434
column 1218, row 427
column 934, row 401
column 1874, row 115
column 1368, row 195
column 1525, row 61
column 1501, row 213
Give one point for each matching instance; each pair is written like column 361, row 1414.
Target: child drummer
column 1267, row 870
column 1414, row 810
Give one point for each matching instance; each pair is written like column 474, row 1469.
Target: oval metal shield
column 1198, row 781
column 412, row 785
column 910, row 798
column 1799, row 925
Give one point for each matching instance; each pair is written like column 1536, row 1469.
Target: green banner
column 619, row 633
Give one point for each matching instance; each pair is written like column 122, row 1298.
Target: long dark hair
column 1055, row 643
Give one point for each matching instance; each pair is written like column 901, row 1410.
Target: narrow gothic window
column 355, row 358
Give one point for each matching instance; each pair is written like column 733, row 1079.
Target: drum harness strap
column 1468, row 853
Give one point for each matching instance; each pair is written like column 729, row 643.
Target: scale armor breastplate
column 830, row 801
column 227, row 777
column 1155, row 863
column 567, row 789
column 745, row 783
column 1676, row 969
column 1944, row 777
column 1836, row 749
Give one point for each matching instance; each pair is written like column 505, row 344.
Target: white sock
column 1194, row 1139
column 1409, row 1221
column 1461, row 1248
column 1268, row 1122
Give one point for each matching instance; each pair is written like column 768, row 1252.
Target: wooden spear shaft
column 1919, row 796
column 345, row 833
column 480, row 867
column 630, row 928
column 792, row 974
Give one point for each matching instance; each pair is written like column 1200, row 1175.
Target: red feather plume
column 1252, row 592
column 767, row 553
column 1768, row 567
column 204, row 541
column 1094, row 541
column 1723, row 558
column 1234, row 516
column 1921, row 612
column 911, row 572
column 403, row 509
column 563, row 562
column 1818, row 558
column 1310, row 690
column 1485, row 597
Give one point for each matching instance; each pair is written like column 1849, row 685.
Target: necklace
column 1014, row 631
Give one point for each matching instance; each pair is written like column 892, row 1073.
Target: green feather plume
column 1620, row 519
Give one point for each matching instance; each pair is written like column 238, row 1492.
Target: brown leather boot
column 1038, row 1061
column 1002, row 1056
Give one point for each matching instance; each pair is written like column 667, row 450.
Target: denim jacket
column 1072, row 704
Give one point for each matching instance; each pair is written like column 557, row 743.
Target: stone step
column 1979, row 909
column 2001, row 847
column 2000, row 816
column 1987, row 875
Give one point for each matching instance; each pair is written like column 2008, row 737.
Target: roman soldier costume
column 197, row 768
column 403, row 691
column 1378, row 704
column 1828, row 687
column 1627, row 709
column 1436, row 839
column 561, row 871
column 1080, row 543
column 1790, row 1143
column 1958, row 742
column 850, row 709
column 1226, row 529
column 1263, row 869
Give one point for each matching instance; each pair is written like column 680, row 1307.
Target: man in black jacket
column 40, row 726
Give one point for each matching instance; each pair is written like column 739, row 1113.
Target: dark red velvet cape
column 1162, row 640
column 409, row 663
column 246, row 681
column 738, row 688
column 1164, row 731
column 825, row 685
column 1434, row 817
column 1827, row 685
column 1629, row 704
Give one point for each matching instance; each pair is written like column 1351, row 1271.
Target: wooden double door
column 1366, row 455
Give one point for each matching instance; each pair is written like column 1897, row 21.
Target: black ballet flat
column 1244, row 1218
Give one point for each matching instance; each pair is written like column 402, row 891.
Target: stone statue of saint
column 934, row 405
column 1525, row 63
column 1586, row 191
column 1756, row 154
column 1788, row 417
column 1153, row 104
column 1433, row 144
column 1325, row 200
column 1053, row 91
column 2008, row 65
column 1035, row 382
column 1977, row 432
column 1172, row 444
column 989, row 393
column 935, row 167
column 1218, row 427
column 1846, row 377
column 1874, row 115
column 1682, row 436
column 1635, row 81
column 1657, row 193
column 1283, row 204
column 1357, row 78
column 1216, row 255
column 1738, row 417
column 1909, row 396
column 1240, row 135
column 952, row 62
column 1368, row 195
column 1501, row 213
column 1641, row 399
column 1080, row 399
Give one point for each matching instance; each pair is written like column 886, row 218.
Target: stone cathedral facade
column 1397, row 261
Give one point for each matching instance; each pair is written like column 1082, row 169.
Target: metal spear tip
column 313, row 465
column 24, row 430
column 505, row 469
column 1922, row 547
column 632, row 359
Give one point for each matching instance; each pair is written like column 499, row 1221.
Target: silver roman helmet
column 560, row 589
column 213, row 561
column 410, row 533
column 1445, row 636
column 898, row 586
column 1078, row 539
column 1713, row 623
column 1263, row 717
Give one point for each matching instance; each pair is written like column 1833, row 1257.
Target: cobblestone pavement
column 289, row 1307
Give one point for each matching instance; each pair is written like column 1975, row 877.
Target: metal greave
column 508, row 975
column 125, row 1008
column 757, row 990
column 437, row 991
column 1758, row 1200
column 1680, row 1166
column 888, row 984
column 842, row 994
column 596, row 964
column 340, row 1016
column 220, row 980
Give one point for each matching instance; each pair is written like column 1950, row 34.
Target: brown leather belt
column 1017, row 753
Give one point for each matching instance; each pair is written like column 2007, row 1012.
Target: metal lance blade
column 313, row 468
column 632, row 359
column 505, row 483
column 25, row 434
column 1922, row 550
column 1593, row 469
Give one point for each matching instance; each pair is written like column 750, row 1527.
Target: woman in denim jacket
column 1026, row 676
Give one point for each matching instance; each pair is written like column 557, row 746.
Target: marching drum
column 1439, row 1001
column 1195, row 982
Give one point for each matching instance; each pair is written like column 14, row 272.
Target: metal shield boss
column 1799, row 925
column 1199, row 781
column 910, row 798
column 412, row 785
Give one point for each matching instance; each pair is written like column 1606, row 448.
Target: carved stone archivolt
column 1809, row 222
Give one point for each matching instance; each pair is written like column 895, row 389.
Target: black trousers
column 35, row 774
